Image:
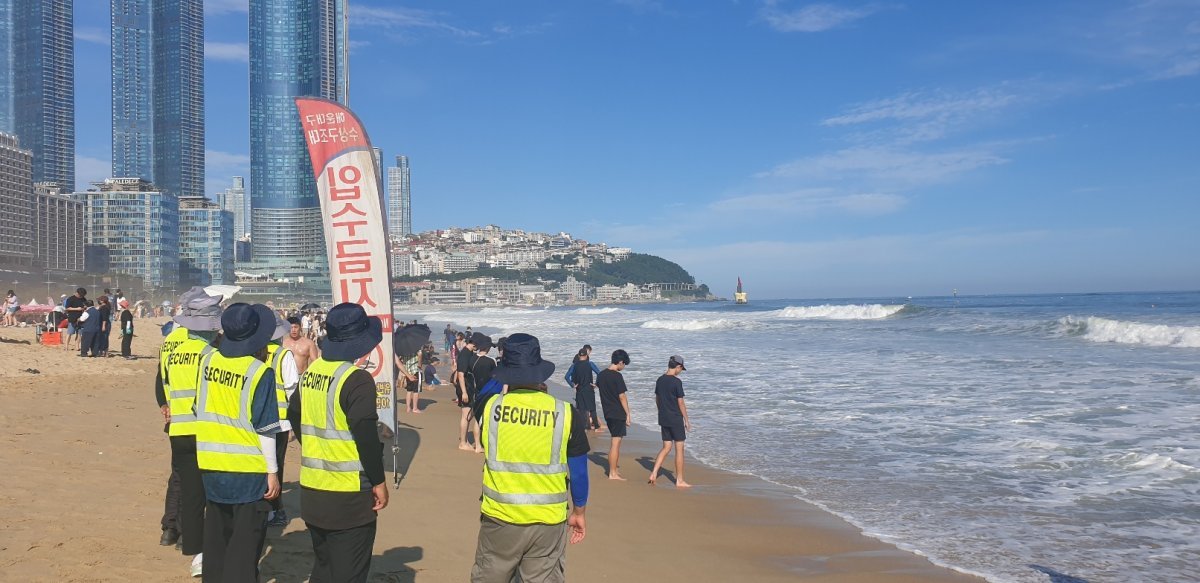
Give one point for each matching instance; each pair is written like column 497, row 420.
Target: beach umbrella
column 310, row 307
column 225, row 291
column 410, row 339
column 166, row 304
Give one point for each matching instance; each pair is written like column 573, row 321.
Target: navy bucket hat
column 350, row 333
column 247, row 329
column 522, row 364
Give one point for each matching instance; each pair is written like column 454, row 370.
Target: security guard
column 195, row 329
column 237, row 416
column 342, row 485
column 287, row 377
column 532, row 442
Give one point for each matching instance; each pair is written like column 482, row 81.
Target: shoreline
column 86, row 466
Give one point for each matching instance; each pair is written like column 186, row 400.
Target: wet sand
column 86, row 463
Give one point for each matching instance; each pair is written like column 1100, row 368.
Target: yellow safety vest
column 525, row 435
column 225, row 437
column 329, row 457
column 180, row 382
column 173, row 340
column 275, row 354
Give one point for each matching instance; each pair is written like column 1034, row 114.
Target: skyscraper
column 399, row 200
column 16, row 203
column 6, row 63
column 234, row 201
column 43, row 85
column 158, row 93
column 205, row 242
column 293, row 52
column 137, row 224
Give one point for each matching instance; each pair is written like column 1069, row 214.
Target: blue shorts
column 673, row 433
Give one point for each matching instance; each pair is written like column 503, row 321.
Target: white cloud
column 213, row 7
column 93, row 35
column 218, row 51
column 923, row 106
column 813, row 17
column 89, row 170
column 215, row 160
column 887, row 166
column 405, row 18
column 810, row 202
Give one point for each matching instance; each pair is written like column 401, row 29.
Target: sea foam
column 840, row 312
column 689, row 325
column 1098, row 329
column 595, row 311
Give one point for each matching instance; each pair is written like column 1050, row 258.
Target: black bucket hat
column 350, row 333
column 247, row 329
column 522, row 364
column 481, row 341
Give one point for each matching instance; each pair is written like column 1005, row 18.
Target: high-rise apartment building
column 42, row 85
column 6, row 67
column 58, row 229
column 296, row 49
column 16, row 203
column 234, row 201
column 137, row 224
column 205, row 242
column 399, row 200
column 158, row 93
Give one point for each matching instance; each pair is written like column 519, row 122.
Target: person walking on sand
column 585, row 389
column 125, row 319
column 11, row 305
column 237, row 417
column 105, row 311
column 191, row 339
column 90, row 329
column 287, row 378
column 342, row 484
column 303, row 349
column 672, row 418
column 466, row 358
column 532, row 443
column 409, row 369
column 478, row 377
column 75, row 305
column 616, row 408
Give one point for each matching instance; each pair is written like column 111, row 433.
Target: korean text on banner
column 355, row 228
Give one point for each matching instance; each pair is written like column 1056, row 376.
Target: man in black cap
column 466, row 358
column 532, row 443
column 672, row 418
column 342, row 485
column 237, row 417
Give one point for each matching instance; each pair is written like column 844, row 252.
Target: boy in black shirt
column 616, row 408
column 673, row 418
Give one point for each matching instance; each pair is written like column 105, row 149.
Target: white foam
column 1098, row 329
column 595, row 311
column 843, row 312
column 689, row 325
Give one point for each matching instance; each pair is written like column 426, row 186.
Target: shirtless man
column 305, row 351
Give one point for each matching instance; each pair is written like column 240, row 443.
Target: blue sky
column 815, row 149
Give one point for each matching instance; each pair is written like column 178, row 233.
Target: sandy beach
column 86, row 463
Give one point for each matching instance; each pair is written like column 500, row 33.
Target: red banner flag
column 355, row 228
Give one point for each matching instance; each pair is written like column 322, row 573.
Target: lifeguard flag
column 352, row 213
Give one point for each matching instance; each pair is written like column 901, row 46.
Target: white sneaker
column 198, row 565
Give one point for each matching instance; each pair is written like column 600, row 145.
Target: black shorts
column 413, row 386
column 673, row 433
column 616, row 427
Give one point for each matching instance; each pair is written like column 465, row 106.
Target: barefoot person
column 408, row 368
column 673, row 418
column 616, row 408
column 303, row 349
column 342, row 485
column 466, row 358
column 532, row 443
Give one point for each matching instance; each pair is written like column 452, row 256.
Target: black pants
column 233, row 541
column 87, row 342
column 342, row 556
column 127, row 345
column 281, row 442
column 191, row 493
column 170, row 517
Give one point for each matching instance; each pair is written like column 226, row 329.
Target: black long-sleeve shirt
column 342, row 510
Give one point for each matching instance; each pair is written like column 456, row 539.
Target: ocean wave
column 1098, row 329
column 840, row 312
column 689, row 325
column 595, row 311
